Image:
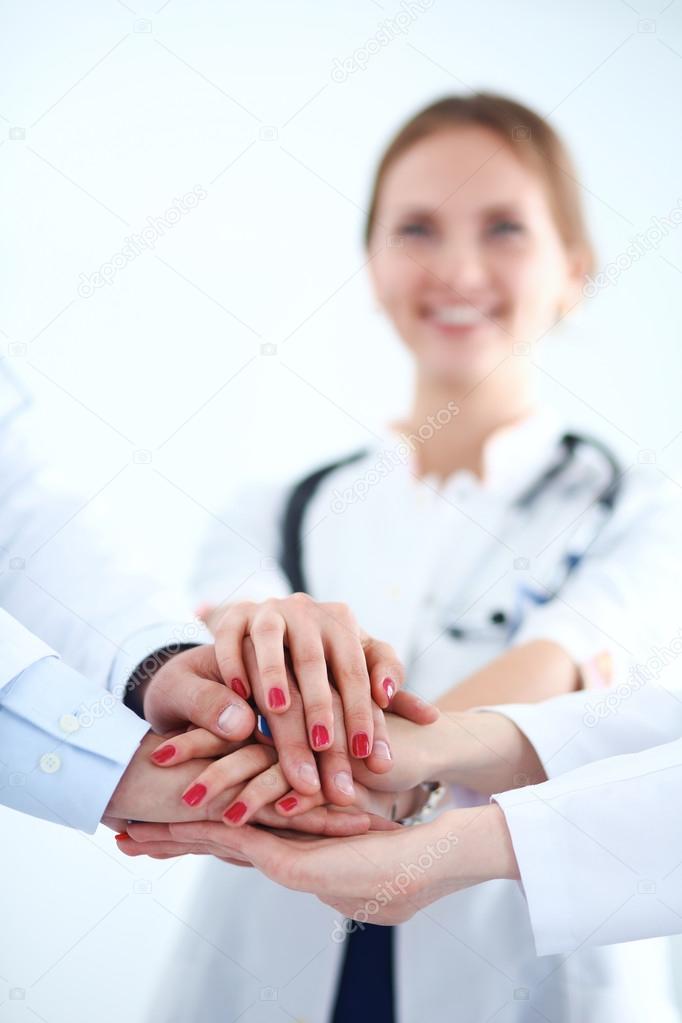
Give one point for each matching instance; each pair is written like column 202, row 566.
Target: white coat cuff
column 147, row 642
column 557, row 729
column 64, row 742
column 540, row 850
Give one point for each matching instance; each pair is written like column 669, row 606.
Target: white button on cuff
column 49, row 763
column 69, row 723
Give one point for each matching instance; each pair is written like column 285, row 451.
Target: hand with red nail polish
column 324, row 647
column 199, row 789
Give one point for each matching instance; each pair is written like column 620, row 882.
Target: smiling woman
column 477, row 237
column 477, row 247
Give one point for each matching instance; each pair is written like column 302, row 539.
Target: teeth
column 457, row 315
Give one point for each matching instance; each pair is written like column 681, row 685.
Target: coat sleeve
column 65, row 737
column 579, row 728
column 620, row 606
column 600, row 850
column 73, row 591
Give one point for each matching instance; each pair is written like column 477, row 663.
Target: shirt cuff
column 64, row 743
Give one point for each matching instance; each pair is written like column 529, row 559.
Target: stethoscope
column 502, row 623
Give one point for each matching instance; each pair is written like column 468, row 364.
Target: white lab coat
column 63, row 592
column 599, row 846
column 410, row 557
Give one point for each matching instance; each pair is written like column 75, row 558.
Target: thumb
column 409, row 706
column 186, row 691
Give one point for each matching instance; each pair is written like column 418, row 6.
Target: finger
column 270, row 689
column 275, row 856
column 207, row 841
column 291, row 741
column 293, row 805
column 379, row 823
column 209, row 704
column 310, row 669
column 324, row 820
column 262, row 790
column 413, row 708
column 386, row 673
column 230, row 628
column 380, row 760
column 171, row 850
column 346, row 658
column 228, row 772
column 198, row 742
column 334, row 764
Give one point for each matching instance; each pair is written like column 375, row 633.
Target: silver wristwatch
column 434, row 792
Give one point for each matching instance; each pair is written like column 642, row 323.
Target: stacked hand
column 329, row 762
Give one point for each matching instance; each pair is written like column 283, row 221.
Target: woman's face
column 467, row 258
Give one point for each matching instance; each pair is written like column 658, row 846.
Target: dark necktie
column 365, row 989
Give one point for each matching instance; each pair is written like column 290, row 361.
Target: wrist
column 483, row 750
column 476, row 846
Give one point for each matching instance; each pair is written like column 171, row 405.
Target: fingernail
column 276, row 698
column 382, row 750
column 360, row 745
column 231, row 719
column 239, row 688
column 308, row 774
column 288, row 804
column 389, row 687
column 264, row 727
column 320, row 736
column 122, row 837
column 163, row 754
column 344, row 783
column 235, row 812
column 194, row 795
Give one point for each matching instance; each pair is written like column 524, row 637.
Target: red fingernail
column 122, row 837
column 389, row 687
column 194, row 795
column 239, row 688
column 288, row 804
column 235, row 812
column 276, row 698
column 360, row 745
column 164, row 754
column 320, row 736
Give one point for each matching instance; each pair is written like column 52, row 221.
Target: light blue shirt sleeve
column 64, row 744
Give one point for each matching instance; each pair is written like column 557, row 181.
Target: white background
column 108, row 112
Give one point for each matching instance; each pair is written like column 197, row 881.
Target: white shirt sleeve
column 600, row 850
column 632, row 565
column 64, row 744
